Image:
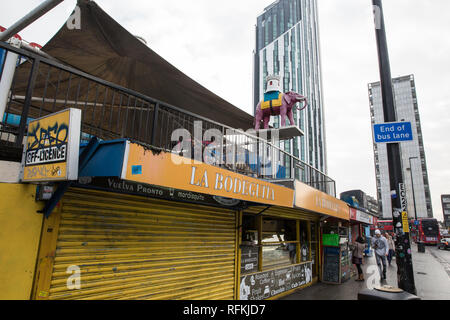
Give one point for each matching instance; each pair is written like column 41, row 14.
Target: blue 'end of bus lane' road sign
column 393, row 132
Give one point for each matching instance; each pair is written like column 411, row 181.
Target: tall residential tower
column 415, row 174
column 287, row 45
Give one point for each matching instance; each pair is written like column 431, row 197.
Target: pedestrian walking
column 391, row 248
column 381, row 247
column 358, row 251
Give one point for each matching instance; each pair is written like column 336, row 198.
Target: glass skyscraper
column 414, row 165
column 287, row 45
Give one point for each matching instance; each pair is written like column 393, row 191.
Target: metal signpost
column 405, row 271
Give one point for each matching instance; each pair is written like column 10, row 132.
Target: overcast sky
column 212, row 42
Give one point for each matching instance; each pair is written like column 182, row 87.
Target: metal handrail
column 148, row 104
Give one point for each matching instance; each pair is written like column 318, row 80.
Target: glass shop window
column 249, row 245
column 314, row 246
column 279, row 243
column 249, row 231
column 304, row 241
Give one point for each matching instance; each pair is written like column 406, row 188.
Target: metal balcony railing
column 41, row 86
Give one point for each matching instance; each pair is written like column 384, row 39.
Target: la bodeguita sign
column 233, row 186
column 311, row 199
column 172, row 171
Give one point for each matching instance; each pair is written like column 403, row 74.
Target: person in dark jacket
column 358, row 250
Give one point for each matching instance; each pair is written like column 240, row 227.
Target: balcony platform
column 285, row 133
column 288, row 183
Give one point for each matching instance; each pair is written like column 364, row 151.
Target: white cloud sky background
column 212, row 42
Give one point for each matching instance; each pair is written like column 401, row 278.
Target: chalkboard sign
column 249, row 259
column 264, row 285
column 331, row 265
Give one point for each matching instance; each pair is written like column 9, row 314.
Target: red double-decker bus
column 426, row 231
column 383, row 226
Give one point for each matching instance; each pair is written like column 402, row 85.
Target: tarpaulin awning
column 105, row 49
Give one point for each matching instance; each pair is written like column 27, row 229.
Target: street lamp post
column 412, row 187
column 405, row 272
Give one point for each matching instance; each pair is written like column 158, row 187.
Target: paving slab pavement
column 430, row 276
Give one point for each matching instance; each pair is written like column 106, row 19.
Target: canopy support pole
column 32, row 16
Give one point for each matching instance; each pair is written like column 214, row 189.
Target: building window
column 275, row 26
column 276, row 122
column 279, row 242
column 314, row 248
column 265, row 71
column 249, row 245
column 276, row 60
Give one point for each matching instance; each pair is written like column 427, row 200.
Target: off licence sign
column 47, row 155
column 52, row 147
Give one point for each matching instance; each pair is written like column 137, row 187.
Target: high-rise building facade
column 414, row 165
column 372, row 205
column 287, row 45
column 445, row 200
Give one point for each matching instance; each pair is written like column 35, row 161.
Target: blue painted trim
column 85, row 156
column 2, row 60
column 107, row 161
column 14, row 119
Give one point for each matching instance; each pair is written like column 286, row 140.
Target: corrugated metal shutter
column 131, row 247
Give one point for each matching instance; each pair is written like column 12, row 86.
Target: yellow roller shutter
column 130, row 247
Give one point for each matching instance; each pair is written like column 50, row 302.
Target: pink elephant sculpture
column 288, row 102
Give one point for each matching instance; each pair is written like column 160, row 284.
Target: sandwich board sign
column 51, row 150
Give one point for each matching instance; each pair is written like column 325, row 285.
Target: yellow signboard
column 173, row 171
column 311, row 199
column 52, row 147
column 405, row 222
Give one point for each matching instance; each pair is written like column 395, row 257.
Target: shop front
column 361, row 223
column 115, row 246
column 334, row 251
column 144, row 224
column 280, row 248
column 337, row 255
column 147, row 228
column 278, row 252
